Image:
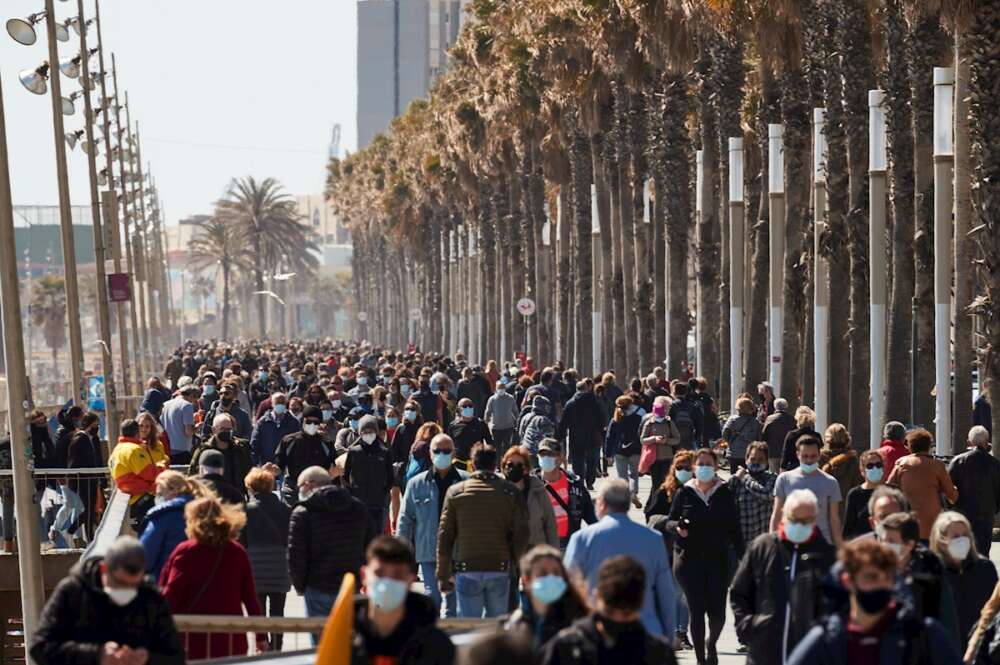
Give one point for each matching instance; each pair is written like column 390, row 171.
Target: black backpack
column 683, row 417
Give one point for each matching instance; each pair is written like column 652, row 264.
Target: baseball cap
column 550, row 446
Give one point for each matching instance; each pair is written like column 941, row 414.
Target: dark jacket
column 982, row 414
column 686, row 414
column 64, row 433
column 416, row 641
column 226, row 491
column 243, row 427
column 368, row 473
column 712, row 530
column 581, row 506
column 776, row 428
column 238, row 461
column 582, row 644
column 856, row 512
column 761, row 594
column 559, row 615
column 268, row 433
column 466, row 433
column 84, row 453
column 266, row 538
column 971, row 585
column 789, row 458
column 79, row 619
column 153, row 401
column 484, row 526
column 907, row 641
column 429, row 403
column 296, row 453
column 581, row 424
column 622, row 437
column 43, row 448
column 327, row 537
column 164, row 531
column 711, row 427
column 976, row 474
column 475, row 391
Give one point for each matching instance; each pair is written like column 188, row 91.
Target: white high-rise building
column 402, row 47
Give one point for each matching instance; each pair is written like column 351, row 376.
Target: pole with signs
column 526, row 307
column 877, row 261
column 776, row 198
column 944, row 157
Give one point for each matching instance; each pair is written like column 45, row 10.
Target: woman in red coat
column 210, row 574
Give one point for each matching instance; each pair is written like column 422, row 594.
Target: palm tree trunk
column 606, row 249
column 583, row 178
column 617, row 279
column 929, row 48
column 643, row 268
column 964, row 341
column 529, row 238
column 900, row 134
column 226, row 269
column 563, row 285
column 855, row 39
column 707, row 255
column 795, row 115
column 756, row 361
column 984, row 88
column 622, row 96
column 676, row 175
column 543, row 318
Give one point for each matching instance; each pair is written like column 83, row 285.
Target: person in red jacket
column 210, row 573
column 893, row 444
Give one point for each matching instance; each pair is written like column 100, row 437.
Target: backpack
column 684, row 419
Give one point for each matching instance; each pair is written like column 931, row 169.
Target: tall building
column 402, row 47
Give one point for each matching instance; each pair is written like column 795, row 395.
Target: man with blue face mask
column 467, row 429
column 568, row 493
column 772, row 618
column 272, row 427
column 824, row 487
column 421, row 515
column 393, row 623
column 753, row 488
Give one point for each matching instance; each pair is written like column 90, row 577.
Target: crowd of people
column 295, row 465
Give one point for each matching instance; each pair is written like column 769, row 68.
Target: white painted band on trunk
column 942, row 377
column 775, row 334
column 596, row 323
column 877, row 386
column 821, row 364
column 735, row 350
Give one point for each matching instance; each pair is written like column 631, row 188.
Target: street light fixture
column 73, row 137
column 75, row 24
column 35, row 80
column 22, row 30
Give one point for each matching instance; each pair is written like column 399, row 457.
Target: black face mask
column 515, row 473
column 873, row 602
column 226, row 436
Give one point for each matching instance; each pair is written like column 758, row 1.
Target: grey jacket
column 541, row 516
column 501, row 411
column 650, row 429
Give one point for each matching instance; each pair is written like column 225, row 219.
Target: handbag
column 646, row 459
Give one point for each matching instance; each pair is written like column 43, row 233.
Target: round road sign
column 526, row 306
column 362, row 316
column 415, row 314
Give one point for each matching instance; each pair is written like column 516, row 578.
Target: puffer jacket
column 541, row 515
column 761, row 594
column 739, row 433
column 268, row 433
column 327, row 537
column 266, row 537
column 164, row 531
column 368, row 473
column 538, row 425
column 971, row 585
column 134, row 467
column 652, row 428
column 79, row 619
column 484, row 526
column 296, row 453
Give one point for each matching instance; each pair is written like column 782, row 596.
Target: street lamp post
column 152, row 345
column 65, row 214
column 736, row 266
column 776, row 199
column 29, row 558
column 103, row 316
column 878, row 262
column 821, row 280
column 699, row 200
column 944, row 157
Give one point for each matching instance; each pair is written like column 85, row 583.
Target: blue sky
column 221, row 89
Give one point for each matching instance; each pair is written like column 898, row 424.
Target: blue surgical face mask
column 798, row 532
column 327, row 414
column 441, row 460
column 468, row 412
column 548, row 588
column 405, row 390
column 808, row 468
column 208, row 389
column 280, row 409
column 705, row 473
column 434, row 386
column 354, row 425
column 547, row 463
column 362, row 380
column 683, row 475
column 391, row 422
column 387, row 594
column 410, row 415
column 756, row 468
column 874, row 475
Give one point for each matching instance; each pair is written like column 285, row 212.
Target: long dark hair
column 573, row 605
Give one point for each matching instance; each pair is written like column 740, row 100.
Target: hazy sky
column 221, row 89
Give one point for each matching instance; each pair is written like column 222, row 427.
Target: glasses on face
column 513, row 465
column 441, row 451
column 310, row 421
column 683, row 468
column 873, row 465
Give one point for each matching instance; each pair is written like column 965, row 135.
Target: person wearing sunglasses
column 856, row 522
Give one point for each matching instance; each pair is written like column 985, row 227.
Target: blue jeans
column 627, row 468
column 429, row 576
column 683, row 613
column 318, row 604
column 482, row 595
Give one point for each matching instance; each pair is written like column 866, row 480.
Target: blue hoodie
column 164, row 531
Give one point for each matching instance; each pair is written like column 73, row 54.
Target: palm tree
column 48, row 313
column 218, row 244
column 267, row 220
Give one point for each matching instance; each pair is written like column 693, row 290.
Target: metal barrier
column 229, row 630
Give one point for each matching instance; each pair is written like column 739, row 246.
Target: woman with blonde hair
column 970, row 576
column 805, row 423
column 165, row 523
column 210, row 573
column 838, row 459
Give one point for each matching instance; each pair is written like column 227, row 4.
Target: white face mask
column 368, row 437
column 310, row 429
column 304, row 495
column 959, row 548
column 121, row 597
